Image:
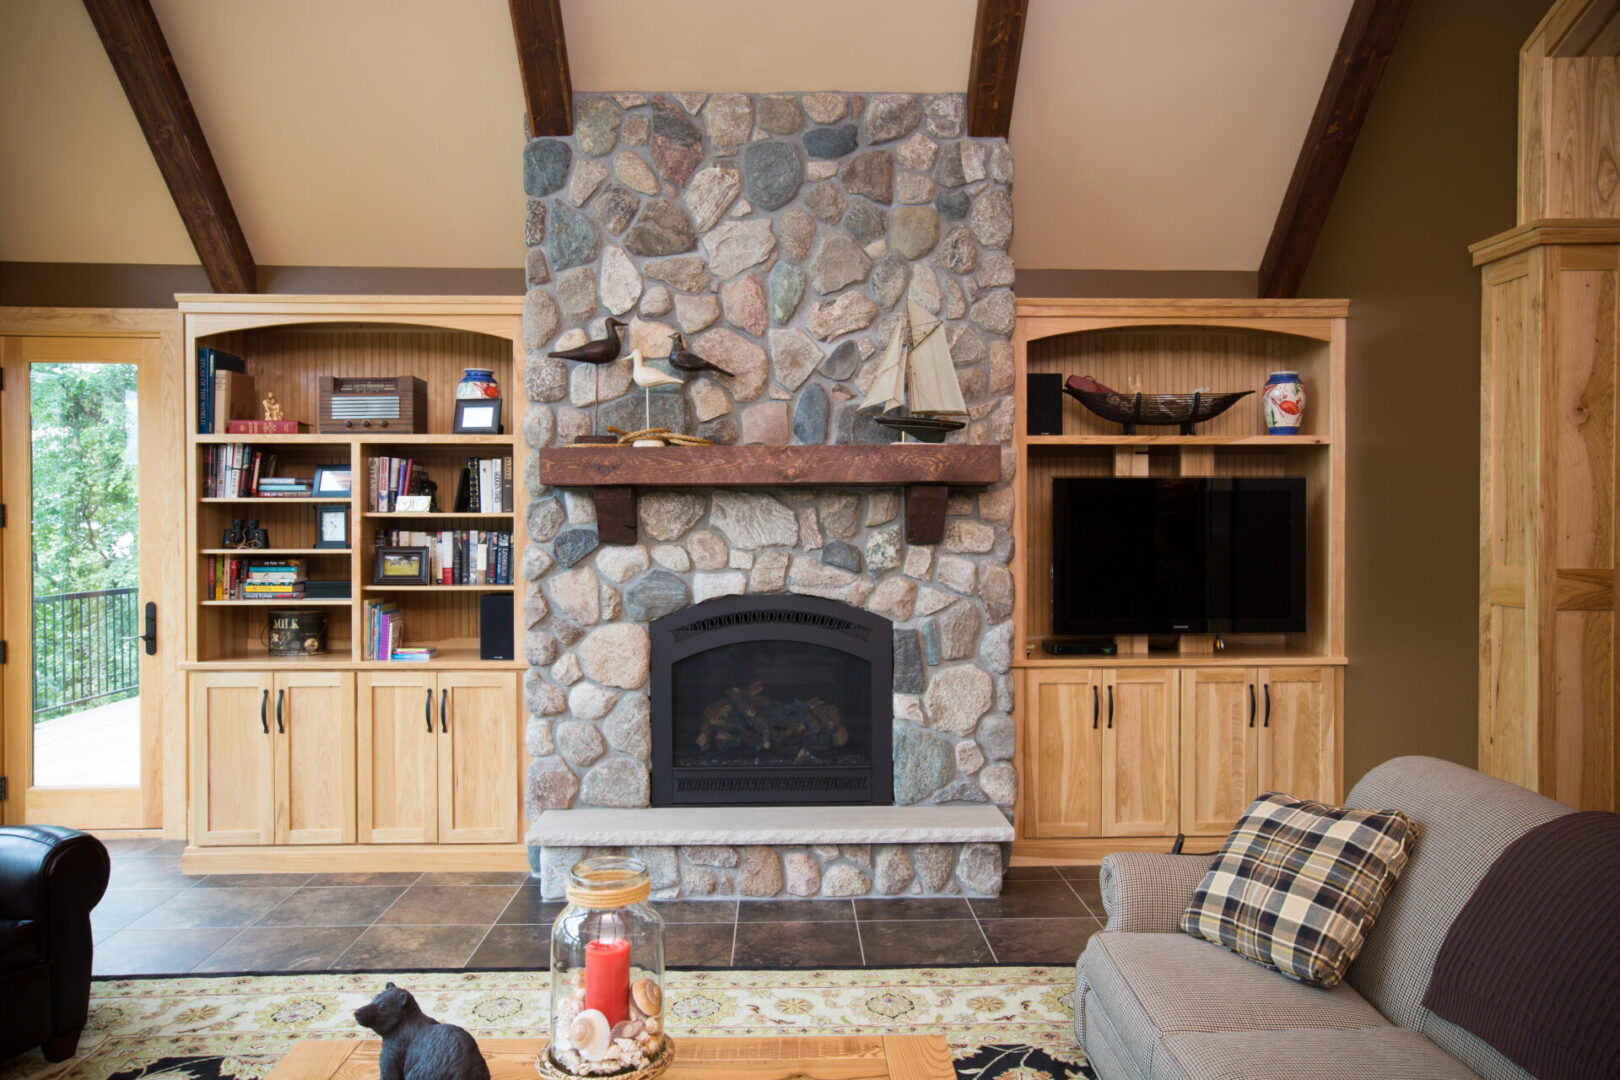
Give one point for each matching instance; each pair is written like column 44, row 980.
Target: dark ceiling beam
column 134, row 43
column 998, row 36
column 537, row 26
column 1358, row 65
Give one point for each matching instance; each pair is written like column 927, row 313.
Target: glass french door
column 81, row 539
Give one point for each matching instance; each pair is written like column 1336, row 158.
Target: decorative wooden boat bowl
column 1180, row 410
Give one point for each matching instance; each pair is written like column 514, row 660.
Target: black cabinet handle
column 281, row 696
column 264, row 712
column 427, row 711
column 1096, row 706
column 1251, row 704
column 1110, row 706
column 1268, row 705
column 444, row 696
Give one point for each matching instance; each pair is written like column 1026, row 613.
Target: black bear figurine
column 418, row 1047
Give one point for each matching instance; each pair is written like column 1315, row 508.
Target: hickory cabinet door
column 1218, row 747
column 397, row 758
column 315, row 774
column 1064, row 754
column 233, row 757
column 478, row 752
column 1140, row 759
column 1297, row 752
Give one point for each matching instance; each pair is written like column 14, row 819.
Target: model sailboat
column 915, row 387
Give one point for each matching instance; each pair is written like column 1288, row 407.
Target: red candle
column 607, row 978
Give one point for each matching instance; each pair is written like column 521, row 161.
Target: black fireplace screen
column 770, row 701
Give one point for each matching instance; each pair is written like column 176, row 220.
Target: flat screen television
column 1178, row 555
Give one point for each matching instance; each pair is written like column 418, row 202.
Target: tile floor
column 155, row 920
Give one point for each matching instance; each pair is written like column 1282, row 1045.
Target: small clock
column 331, row 526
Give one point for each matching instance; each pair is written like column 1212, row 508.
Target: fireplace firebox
column 772, row 700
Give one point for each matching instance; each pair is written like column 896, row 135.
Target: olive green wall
column 1432, row 172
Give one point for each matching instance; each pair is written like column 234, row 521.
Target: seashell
column 654, row 1026
column 591, row 1034
column 628, row 1029
column 649, row 999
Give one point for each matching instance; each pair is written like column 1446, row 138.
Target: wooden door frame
column 161, row 391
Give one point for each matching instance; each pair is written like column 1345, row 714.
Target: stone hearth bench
column 785, row 851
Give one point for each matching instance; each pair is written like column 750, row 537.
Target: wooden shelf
column 281, row 499
column 452, row 657
column 396, row 515
column 1232, row 656
column 288, row 602
column 438, row 588
column 365, row 439
column 254, row 553
column 1178, row 440
column 884, row 465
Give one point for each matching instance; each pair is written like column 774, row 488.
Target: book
column 208, row 362
column 233, row 397
column 506, row 485
column 265, row 427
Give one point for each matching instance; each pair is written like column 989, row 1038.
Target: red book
column 265, row 427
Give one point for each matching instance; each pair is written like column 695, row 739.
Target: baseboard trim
column 1089, row 851
column 355, row 858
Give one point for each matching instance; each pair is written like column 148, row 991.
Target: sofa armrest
column 49, row 873
column 1146, row 892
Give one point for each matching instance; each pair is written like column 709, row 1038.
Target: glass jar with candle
column 607, row 976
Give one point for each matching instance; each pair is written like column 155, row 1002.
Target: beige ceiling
column 1148, row 134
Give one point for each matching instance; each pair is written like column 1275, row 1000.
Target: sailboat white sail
column 915, row 387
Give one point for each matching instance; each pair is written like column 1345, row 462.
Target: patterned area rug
column 1013, row 1023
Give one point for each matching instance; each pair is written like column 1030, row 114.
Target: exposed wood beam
column 1364, row 49
column 998, row 35
column 134, row 43
column 537, row 26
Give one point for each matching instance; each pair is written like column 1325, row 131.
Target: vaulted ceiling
column 1147, row 134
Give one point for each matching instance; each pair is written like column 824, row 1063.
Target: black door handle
column 281, row 696
column 1096, row 706
column 444, row 696
column 1110, row 706
column 427, row 711
column 150, row 637
column 1251, row 704
column 264, row 712
column 1268, row 705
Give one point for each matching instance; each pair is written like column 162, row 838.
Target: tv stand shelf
column 1034, row 441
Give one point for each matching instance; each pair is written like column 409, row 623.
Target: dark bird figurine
column 599, row 352
column 684, row 359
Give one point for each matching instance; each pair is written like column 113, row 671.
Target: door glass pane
column 86, row 677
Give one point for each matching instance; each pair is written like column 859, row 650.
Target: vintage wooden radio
column 368, row 403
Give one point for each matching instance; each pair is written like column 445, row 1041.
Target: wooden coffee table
column 875, row 1057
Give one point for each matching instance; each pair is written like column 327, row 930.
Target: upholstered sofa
column 1152, row 1003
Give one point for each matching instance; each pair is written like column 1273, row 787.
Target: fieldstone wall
column 781, row 234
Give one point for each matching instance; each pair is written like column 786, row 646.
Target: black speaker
column 1043, row 404
column 495, row 627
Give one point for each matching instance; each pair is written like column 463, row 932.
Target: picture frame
column 478, row 416
column 413, row 504
column 332, row 526
column 401, row 566
column 332, row 481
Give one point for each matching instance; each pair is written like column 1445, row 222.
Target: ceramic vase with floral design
column 1283, row 400
column 477, row 383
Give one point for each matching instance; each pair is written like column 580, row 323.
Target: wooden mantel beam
column 548, row 92
column 1364, row 49
column 998, row 36
column 134, row 42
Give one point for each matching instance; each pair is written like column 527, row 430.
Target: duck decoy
column 684, row 359
column 604, row 350
column 649, row 377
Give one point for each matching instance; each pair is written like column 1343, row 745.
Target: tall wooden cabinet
column 1127, row 751
column 335, row 760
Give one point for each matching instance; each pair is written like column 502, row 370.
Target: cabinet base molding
column 1090, row 851
column 354, row 858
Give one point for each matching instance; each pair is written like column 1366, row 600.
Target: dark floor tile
column 918, row 943
column 914, row 907
column 528, row 906
column 120, row 907
column 698, row 944
column 253, row 881
column 1031, row 900
column 408, row 948
column 267, row 950
column 1080, row 873
column 752, row 911
column 350, row 906
column 475, row 877
column 796, row 945
column 698, row 911
column 157, row 952
column 196, row 908
column 149, row 873
column 514, row 946
column 1038, row 941
column 120, row 847
column 168, row 847
column 1030, row 873
column 424, row 904
column 364, row 879
column 1091, row 893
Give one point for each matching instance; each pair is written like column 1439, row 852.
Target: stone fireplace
column 782, row 235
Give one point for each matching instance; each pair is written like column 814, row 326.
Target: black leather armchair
column 50, row 879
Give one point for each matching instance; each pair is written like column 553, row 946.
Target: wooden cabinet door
column 1298, row 747
column 1140, row 763
column 232, row 759
column 396, row 750
column 315, row 778
column 1063, row 723
column 1218, row 739
column 479, row 756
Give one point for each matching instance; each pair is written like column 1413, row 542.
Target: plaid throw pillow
column 1297, row 885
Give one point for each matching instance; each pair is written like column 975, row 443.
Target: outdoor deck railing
column 83, row 650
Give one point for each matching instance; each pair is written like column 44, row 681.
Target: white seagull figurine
column 649, row 377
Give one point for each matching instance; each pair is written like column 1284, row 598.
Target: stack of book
column 458, row 556
column 224, row 390
column 279, row 579
column 225, row 577
column 290, row 487
column 385, row 634
column 415, row 652
column 242, row 470
column 391, row 478
column 486, row 486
